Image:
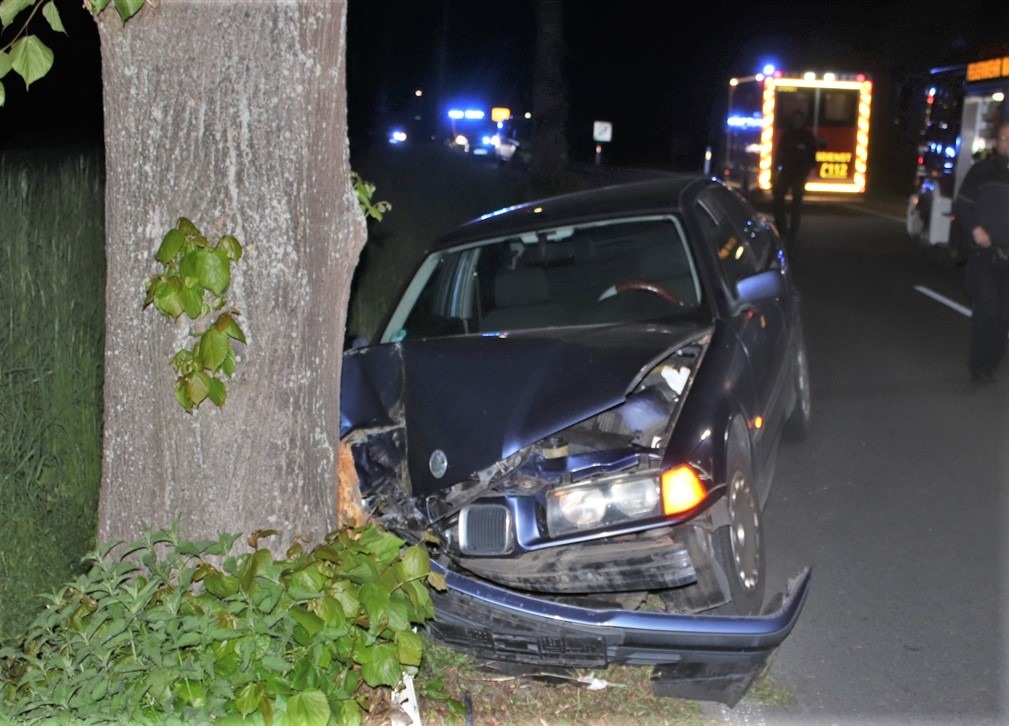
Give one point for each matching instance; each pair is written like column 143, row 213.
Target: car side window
column 741, row 239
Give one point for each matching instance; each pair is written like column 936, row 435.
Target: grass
column 615, row 695
column 52, row 272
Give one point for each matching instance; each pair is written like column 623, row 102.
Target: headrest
column 521, row 287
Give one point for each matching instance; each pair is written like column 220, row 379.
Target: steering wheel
column 641, row 286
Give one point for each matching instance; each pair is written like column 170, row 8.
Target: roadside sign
column 602, row 131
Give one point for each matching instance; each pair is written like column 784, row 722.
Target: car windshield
column 600, row 272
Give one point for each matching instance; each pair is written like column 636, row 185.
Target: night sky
column 658, row 71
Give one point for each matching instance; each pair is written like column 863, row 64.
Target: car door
column 745, row 245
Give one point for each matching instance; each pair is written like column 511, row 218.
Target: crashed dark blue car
column 577, row 403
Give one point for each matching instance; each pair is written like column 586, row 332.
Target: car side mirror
column 761, row 287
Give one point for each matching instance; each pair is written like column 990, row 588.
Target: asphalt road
column 898, row 498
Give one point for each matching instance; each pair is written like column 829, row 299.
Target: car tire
column 800, row 418
column 739, row 547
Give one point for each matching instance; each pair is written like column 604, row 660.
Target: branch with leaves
column 196, row 277
column 23, row 51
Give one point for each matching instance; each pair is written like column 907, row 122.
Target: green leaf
column 409, row 647
column 247, row 699
column 31, row 58
column 415, row 563
column 187, row 265
column 309, row 621
column 213, row 270
column 5, row 64
column 252, row 566
column 437, row 581
column 51, row 14
column 221, row 585
column 197, row 386
column 375, row 599
column 231, row 246
column 192, row 301
column 168, row 298
column 96, row 6
column 182, row 396
column 228, row 367
column 419, row 595
column 350, row 713
column 3, row 95
column 218, row 392
column 397, row 616
column 193, row 693
column 382, row 667
column 227, row 325
column 347, row 597
column 128, row 8
column 9, row 10
column 385, row 545
column 309, row 708
column 170, row 246
column 213, row 348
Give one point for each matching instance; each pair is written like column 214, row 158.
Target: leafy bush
column 156, row 633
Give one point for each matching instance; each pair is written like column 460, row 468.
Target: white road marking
column 944, row 300
column 866, row 209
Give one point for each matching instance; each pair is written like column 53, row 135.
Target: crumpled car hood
column 479, row 399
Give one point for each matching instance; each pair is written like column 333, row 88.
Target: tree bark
column 232, row 114
column 550, row 105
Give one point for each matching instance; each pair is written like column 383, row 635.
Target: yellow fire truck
column 837, row 105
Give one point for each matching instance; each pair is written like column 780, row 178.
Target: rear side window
column 742, row 241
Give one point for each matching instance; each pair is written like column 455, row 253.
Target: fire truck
column 837, row 106
column 964, row 106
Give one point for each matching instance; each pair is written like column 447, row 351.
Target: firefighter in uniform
column 982, row 212
column 794, row 158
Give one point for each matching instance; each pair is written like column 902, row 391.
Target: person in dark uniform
column 982, row 212
column 794, row 158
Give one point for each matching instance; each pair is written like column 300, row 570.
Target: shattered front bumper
column 697, row 657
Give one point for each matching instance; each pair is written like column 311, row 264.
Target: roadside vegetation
column 52, row 323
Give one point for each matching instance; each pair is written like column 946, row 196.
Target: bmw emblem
column 438, row 463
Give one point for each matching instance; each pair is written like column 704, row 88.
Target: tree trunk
column 550, row 105
column 231, row 114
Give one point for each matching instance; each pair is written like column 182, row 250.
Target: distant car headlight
column 603, row 502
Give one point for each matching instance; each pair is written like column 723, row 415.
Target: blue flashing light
column 469, row 114
column 769, row 69
column 745, row 122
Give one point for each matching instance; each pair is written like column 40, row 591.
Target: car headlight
column 603, row 502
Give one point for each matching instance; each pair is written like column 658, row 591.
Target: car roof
column 661, row 195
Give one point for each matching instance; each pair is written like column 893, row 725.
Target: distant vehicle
column 471, row 131
column 576, row 404
column 514, row 140
column 838, row 107
column 964, row 106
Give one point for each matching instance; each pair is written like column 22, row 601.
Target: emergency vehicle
column 837, row 109
column 964, row 106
